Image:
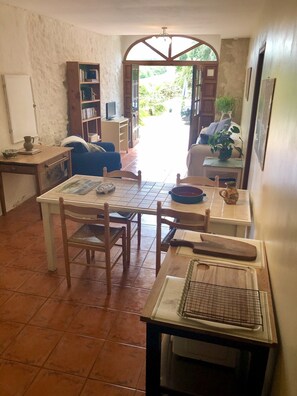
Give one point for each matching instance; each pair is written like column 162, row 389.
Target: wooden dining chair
column 127, row 218
column 93, row 233
column 198, row 180
column 176, row 219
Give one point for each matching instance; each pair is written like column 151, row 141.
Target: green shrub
column 225, row 104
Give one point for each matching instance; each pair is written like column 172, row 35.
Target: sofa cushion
column 79, row 144
column 210, row 130
column 236, row 136
column 223, row 124
column 202, row 139
column 95, row 147
column 205, row 133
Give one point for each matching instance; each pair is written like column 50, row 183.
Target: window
column 177, row 48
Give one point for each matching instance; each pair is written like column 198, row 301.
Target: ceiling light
column 164, row 36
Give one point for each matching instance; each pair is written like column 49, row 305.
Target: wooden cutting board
column 220, row 247
column 223, row 293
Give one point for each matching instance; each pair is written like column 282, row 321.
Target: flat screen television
column 110, row 110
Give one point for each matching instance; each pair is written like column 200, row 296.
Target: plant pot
column 225, row 154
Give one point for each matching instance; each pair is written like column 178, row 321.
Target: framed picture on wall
column 263, row 118
column 248, row 82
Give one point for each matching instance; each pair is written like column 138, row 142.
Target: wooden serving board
column 220, row 247
column 228, row 275
column 225, row 294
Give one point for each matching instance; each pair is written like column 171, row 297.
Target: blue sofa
column 85, row 162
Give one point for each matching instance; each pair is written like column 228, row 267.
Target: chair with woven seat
column 198, row 180
column 93, row 234
column 127, row 218
column 176, row 219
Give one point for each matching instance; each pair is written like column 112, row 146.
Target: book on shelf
column 93, row 137
column 89, row 112
column 89, row 75
column 92, row 74
column 87, row 93
column 82, row 75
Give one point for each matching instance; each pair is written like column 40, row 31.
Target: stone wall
column 40, row 46
column 67, row 43
column 232, row 72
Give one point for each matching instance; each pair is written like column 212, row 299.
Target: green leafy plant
column 225, row 104
column 222, row 142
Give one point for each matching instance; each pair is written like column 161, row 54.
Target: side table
column 232, row 168
column 116, row 131
column 39, row 165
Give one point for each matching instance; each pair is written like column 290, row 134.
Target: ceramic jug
column 230, row 193
column 28, row 145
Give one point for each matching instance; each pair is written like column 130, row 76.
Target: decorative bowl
column 9, row 153
column 105, row 188
column 187, row 194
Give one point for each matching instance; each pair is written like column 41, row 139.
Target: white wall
column 274, row 190
column 40, row 46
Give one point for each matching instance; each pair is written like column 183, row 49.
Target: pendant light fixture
column 164, row 35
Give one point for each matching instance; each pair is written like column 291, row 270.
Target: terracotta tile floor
column 79, row 341
column 60, row 341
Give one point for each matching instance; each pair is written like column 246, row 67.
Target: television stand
column 116, row 131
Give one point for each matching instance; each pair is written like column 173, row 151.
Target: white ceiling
column 228, row 18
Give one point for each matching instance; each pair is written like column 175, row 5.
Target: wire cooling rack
column 204, row 300
column 229, row 305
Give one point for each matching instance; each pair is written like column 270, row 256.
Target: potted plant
column 222, row 142
column 225, row 105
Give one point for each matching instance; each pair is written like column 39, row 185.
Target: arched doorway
column 172, row 50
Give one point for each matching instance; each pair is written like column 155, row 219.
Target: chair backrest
column 84, row 215
column 122, row 174
column 183, row 220
column 198, row 180
column 178, row 220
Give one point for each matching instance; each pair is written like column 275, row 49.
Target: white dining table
column 131, row 196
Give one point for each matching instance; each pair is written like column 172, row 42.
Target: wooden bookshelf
column 84, row 104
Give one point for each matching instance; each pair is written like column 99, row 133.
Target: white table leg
column 48, row 229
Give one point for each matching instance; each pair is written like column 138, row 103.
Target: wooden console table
column 232, row 168
column 39, row 165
